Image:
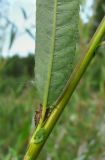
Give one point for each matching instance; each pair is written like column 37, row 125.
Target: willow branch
column 35, row 148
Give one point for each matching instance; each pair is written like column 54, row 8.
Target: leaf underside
column 56, row 36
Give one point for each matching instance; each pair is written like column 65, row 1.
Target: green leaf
column 13, row 33
column 56, row 37
column 30, row 33
column 24, row 13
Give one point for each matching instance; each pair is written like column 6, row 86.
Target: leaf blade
column 56, row 24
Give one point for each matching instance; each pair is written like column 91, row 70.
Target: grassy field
column 80, row 132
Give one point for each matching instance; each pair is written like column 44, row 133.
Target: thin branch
column 35, row 148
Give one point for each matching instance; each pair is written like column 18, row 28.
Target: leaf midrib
column 51, row 57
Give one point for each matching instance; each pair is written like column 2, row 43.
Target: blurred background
column 80, row 132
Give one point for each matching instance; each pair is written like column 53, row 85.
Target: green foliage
column 100, row 7
column 16, row 66
column 15, row 117
column 16, row 106
column 56, row 37
column 24, row 13
column 79, row 133
column 12, row 35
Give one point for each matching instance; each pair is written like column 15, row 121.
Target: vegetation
column 79, row 134
column 16, row 105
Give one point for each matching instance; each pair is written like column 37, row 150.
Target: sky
column 23, row 43
column 86, row 12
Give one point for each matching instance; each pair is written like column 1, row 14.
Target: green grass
column 80, row 132
column 16, row 109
